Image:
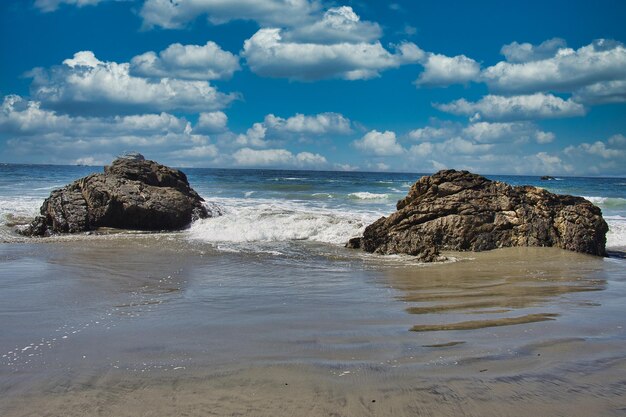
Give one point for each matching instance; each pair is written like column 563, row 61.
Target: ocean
column 262, row 311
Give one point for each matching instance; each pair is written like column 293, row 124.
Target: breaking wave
column 364, row 195
column 274, row 221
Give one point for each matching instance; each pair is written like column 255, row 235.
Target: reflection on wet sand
column 499, row 283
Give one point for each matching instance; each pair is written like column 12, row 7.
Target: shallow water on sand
column 163, row 325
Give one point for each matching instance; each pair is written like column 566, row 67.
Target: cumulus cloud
column 51, row 5
column 171, row 14
column 431, row 133
column 503, row 148
column 521, row 132
column 274, row 128
column 269, row 55
column 602, row 92
column 34, row 132
column 193, row 62
column 211, row 122
column 277, row 158
column 553, row 67
column 26, row 117
column 522, row 107
column 614, row 148
column 526, row 52
column 441, row 70
column 84, row 84
column 338, row 24
column 379, row 143
column 197, row 152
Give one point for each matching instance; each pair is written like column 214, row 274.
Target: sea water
column 262, row 311
column 285, row 206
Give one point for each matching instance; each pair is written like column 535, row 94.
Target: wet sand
column 151, row 326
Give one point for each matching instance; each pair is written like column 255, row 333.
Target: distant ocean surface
column 271, row 206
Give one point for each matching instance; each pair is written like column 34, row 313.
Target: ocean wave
column 608, row 202
column 322, row 195
column 276, row 223
column 616, row 237
column 365, row 195
column 12, row 208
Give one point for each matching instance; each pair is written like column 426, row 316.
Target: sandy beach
column 151, row 325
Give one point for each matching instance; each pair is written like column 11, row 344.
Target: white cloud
column 379, row 144
column 52, row 5
column 422, row 149
column 254, row 136
column 277, row 158
column 431, row 133
column 618, row 140
column 338, row 24
column 565, row 71
column 84, row 84
column 198, row 152
column 602, row 92
column 211, row 122
column 193, row 62
column 175, row 14
column 523, row 107
column 441, row 70
column 597, row 148
column 269, row 55
column 459, row 145
column 544, row 137
column 526, row 52
column 485, row 132
column 545, row 163
column 318, row 124
column 25, row 117
column 274, row 128
column 36, row 134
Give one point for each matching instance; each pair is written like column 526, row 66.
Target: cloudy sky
column 528, row 87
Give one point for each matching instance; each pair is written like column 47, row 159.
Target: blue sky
column 495, row 87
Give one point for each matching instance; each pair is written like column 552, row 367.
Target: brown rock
column 461, row 211
column 133, row 193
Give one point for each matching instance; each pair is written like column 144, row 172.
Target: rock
column 461, row 211
column 133, row 193
column 547, row 178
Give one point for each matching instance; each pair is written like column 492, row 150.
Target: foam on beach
column 276, row 222
column 365, row 195
column 616, row 237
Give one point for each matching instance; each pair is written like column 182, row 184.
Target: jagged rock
column 547, row 178
column 133, row 193
column 461, row 211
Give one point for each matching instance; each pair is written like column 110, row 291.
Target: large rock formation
column 133, row 193
column 461, row 211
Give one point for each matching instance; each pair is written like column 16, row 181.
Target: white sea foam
column 609, row 202
column 364, row 195
column 12, row 208
column 274, row 222
column 616, row 237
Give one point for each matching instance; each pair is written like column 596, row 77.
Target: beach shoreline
column 181, row 328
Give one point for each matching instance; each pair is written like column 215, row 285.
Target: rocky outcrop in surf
column 133, row 193
column 461, row 211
